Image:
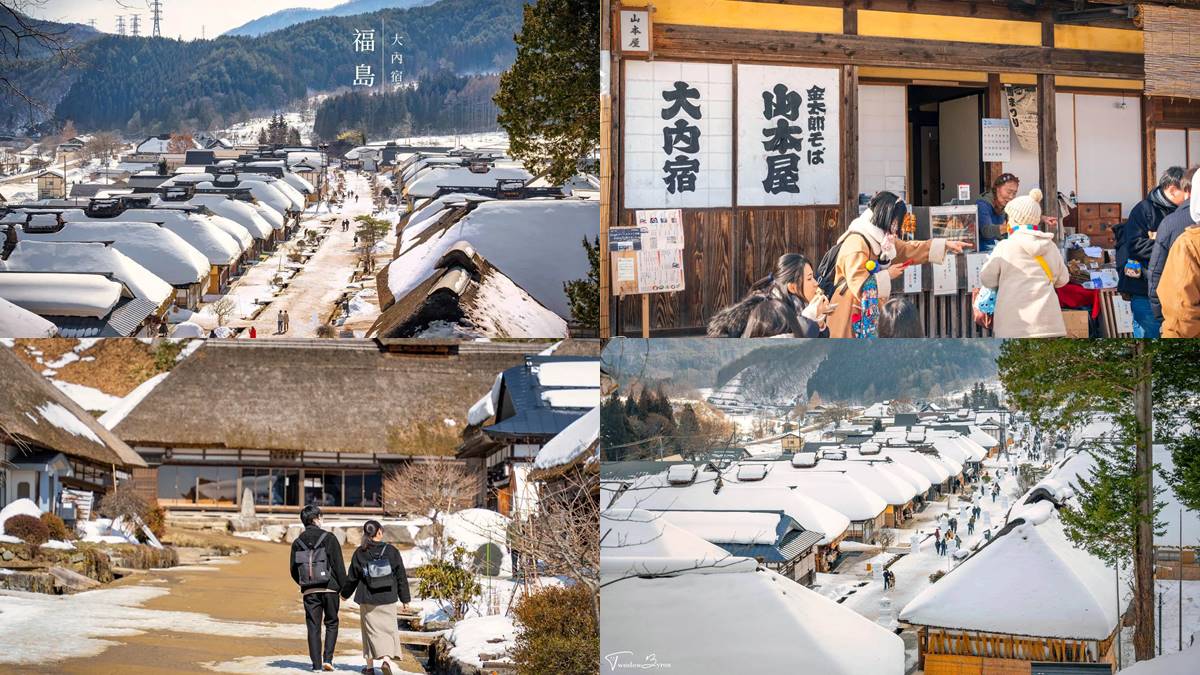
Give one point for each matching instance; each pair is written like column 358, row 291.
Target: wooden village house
column 1092, row 99
column 51, row 184
column 304, row 422
column 527, row 407
column 52, row 451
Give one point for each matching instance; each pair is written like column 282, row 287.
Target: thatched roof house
column 298, row 421
column 47, row 442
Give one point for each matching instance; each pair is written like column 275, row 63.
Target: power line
column 156, row 8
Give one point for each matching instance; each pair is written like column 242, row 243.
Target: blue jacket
column 1168, row 230
column 992, row 225
column 1133, row 240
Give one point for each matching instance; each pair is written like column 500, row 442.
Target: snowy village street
column 317, row 285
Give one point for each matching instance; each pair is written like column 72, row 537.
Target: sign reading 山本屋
column 679, row 128
column 788, row 135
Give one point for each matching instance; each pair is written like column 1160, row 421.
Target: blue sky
column 180, row 17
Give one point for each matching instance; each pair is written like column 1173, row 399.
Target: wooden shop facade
column 769, row 123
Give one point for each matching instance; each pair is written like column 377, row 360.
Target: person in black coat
column 1135, row 244
column 378, row 582
column 1168, row 231
column 321, row 601
column 787, row 302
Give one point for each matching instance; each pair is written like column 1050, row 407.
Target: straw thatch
column 26, row 398
column 319, row 396
column 1172, row 48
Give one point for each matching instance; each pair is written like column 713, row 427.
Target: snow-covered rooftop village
column 151, row 490
column 887, row 509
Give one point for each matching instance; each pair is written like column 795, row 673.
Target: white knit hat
column 1025, row 210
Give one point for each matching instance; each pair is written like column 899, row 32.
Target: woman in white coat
column 1024, row 269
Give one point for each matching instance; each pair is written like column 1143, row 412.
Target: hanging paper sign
column 997, row 140
column 964, row 191
column 1022, row 114
column 678, row 135
column 788, row 136
column 975, row 262
column 635, row 31
column 912, row 279
column 945, row 276
column 648, row 258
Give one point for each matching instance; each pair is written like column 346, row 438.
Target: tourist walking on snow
column 316, row 566
column 279, row 323
column 1022, row 274
column 378, row 581
column 287, row 321
column 870, row 255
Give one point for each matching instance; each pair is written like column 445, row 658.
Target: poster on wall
column 788, row 136
column 648, row 257
column 958, row 223
column 1022, row 114
column 997, row 141
column 975, row 263
column 678, row 135
column 945, row 276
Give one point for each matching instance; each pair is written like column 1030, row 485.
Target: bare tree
column 430, row 488
column 884, row 538
column 223, row 309
column 563, row 537
column 22, row 37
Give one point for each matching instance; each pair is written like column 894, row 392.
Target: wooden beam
column 850, row 21
column 607, row 175
column 849, row 150
column 995, row 110
column 1151, row 114
column 729, row 44
column 1047, row 146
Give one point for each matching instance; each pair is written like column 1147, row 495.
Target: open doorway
column 946, row 142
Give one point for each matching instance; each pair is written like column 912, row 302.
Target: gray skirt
column 380, row 631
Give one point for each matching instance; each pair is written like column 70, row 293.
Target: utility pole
column 121, row 24
column 136, row 25
column 92, row 23
column 156, row 10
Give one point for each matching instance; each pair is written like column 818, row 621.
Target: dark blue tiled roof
column 532, row 416
column 123, row 321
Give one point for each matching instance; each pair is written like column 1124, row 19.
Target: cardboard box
column 1077, row 322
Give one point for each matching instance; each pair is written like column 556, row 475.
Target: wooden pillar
column 995, row 110
column 1151, row 115
column 608, row 173
column 849, row 142
column 1047, row 145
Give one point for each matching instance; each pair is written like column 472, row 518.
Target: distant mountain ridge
column 290, row 17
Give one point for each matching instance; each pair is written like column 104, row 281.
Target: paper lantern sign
column 788, row 136
column 678, row 135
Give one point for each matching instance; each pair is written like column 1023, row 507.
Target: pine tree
column 547, row 99
column 262, row 136
column 293, row 137
column 583, row 295
column 1063, row 383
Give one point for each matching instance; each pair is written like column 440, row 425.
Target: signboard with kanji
column 648, row 257
column 635, row 31
column 788, row 136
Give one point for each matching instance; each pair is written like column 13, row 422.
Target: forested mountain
column 291, row 17
column 440, row 102
column 850, row 371
column 158, row 85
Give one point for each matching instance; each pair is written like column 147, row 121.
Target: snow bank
column 21, row 507
column 482, row 638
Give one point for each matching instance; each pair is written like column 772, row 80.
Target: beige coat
column 851, row 268
column 1026, row 304
column 1179, row 287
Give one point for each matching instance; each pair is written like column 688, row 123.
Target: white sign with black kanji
column 635, row 31
column 788, row 136
column 678, row 135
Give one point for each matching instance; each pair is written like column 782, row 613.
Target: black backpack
column 313, row 562
column 826, row 271
column 378, row 571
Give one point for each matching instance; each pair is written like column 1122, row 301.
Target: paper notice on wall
column 1022, row 114
column 945, row 276
column 975, row 262
column 1122, row 315
column 626, row 270
column 996, row 140
column 912, row 279
column 662, row 229
column 660, row 271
